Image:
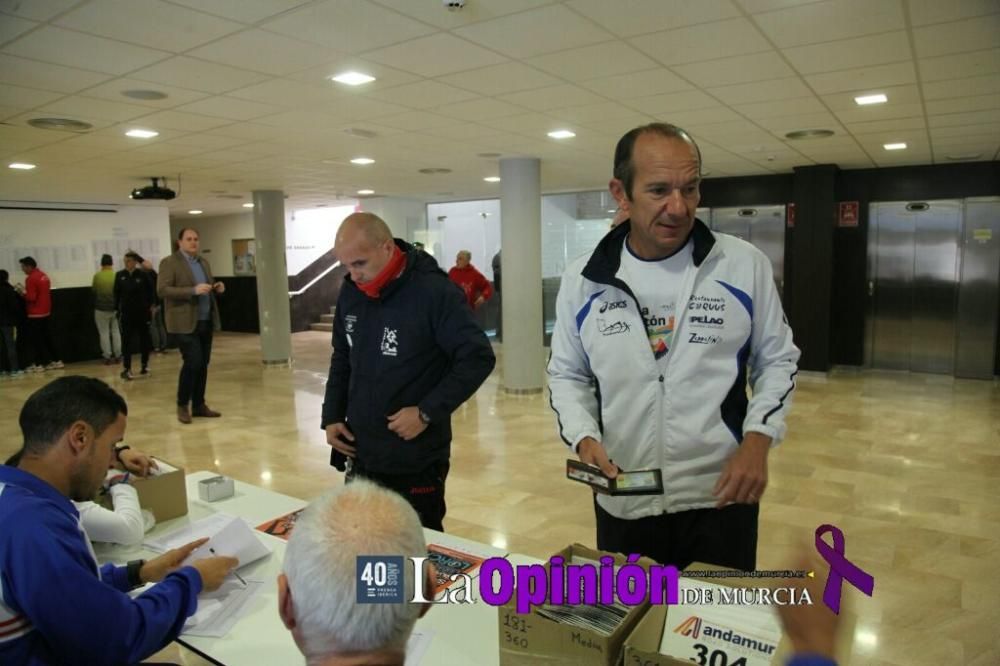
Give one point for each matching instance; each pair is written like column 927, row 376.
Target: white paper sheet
column 218, row 611
column 228, row 536
column 418, row 643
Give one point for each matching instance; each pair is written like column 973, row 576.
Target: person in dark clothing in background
column 134, row 299
column 11, row 317
column 157, row 329
column 407, row 353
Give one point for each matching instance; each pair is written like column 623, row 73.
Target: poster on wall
column 848, row 214
column 244, row 256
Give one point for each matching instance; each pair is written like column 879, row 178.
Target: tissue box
column 216, row 488
column 163, row 492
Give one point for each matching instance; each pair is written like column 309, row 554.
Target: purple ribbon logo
column 840, row 568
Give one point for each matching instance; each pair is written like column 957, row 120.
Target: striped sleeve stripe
column 781, row 402
column 15, row 628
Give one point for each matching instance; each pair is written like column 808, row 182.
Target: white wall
column 465, row 228
column 217, row 234
column 310, row 233
column 404, row 216
column 68, row 244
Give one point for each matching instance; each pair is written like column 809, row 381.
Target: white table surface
column 461, row 633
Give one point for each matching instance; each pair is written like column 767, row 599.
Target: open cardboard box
column 165, row 494
column 642, row 646
column 530, row 639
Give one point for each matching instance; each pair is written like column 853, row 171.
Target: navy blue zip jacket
column 415, row 345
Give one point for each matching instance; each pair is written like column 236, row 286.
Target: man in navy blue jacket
column 407, row 353
column 57, row 605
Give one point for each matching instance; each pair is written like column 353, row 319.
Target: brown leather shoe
column 183, row 415
column 206, row 411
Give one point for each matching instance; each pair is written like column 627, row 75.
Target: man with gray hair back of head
column 317, row 593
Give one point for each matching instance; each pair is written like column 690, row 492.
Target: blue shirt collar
column 28, row 481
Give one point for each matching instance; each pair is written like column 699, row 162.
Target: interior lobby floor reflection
column 907, row 465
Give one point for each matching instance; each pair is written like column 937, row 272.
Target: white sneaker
column 34, row 367
column 55, row 365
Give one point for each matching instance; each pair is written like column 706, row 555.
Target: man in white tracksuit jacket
column 655, row 334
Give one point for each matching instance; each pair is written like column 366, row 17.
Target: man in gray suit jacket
column 188, row 291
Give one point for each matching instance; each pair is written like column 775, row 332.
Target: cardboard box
column 165, row 494
column 642, row 646
column 532, row 639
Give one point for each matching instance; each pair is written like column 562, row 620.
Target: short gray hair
column 359, row 518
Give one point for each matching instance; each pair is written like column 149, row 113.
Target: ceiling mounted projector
column 153, row 191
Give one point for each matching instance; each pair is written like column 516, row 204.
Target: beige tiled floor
column 907, row 465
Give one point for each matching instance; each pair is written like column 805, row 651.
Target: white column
column 521, row 257
column 272, row 277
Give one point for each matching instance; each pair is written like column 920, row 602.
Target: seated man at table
column 57, row 605
column 317, row 591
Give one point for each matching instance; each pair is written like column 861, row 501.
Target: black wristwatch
column 132, row 571
column 424, row 417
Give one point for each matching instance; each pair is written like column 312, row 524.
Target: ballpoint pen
column 239, row 577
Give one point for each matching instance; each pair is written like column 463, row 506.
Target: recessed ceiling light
column 145, row 94
column 364, row 192
column 433, row 170
column 352, row 78
column 894, row 146
column 141, row 133
column 965, row 157
column 60, row 124
column 194, row 212
column 871, row 99
column 362, row 160
column 809, row 134
column 248, row 205
column 24, row 166
column 360, row 133
column 562, row 134
column 492, row 179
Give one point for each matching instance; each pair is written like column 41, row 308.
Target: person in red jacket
column 38, row 299
column 475, row 285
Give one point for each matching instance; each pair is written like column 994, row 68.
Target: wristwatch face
column 424, row 417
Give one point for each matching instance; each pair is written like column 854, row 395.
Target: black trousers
column 135, row 329
column 726, row 537
column 38, row 337
column 424, row 491
column 196, row 350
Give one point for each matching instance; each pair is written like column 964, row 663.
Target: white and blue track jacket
column 685, row 417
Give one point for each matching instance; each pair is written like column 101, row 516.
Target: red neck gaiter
column 390, row 272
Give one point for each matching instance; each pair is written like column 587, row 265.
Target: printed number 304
column 715, row 658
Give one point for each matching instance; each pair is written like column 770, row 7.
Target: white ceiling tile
column 112, row 91
column 591, row 62
column 862, row 114
column 961, row 119
column 264, row 52
column 882, row 126
column 21, row 98
column 834, row 19
column 422, row 94
column 435, row 55
column 873, row 142
column 182, row 121
column 36, row 10
column 924, row 12
column 531, row 124
column 463, row 131
column 784, row 124
column 778, row 108
column 231, row 108
column 480, row 109
column 349, row 26
column 850, row 53
column 96, row 122
column 739, row 69
column 961, row 87
column 867, row 78
column 844, row 101
column 616, row 126
column 185, row 72
column 596, row 112
column 761, row 91
column 147, row 22
column 677, row 101
column 964, row 104
column 416, row 121
column 958, row 37
column 11, row 27
column 758, row 6
column 207, row 141
column 637, row 84
column 480, row 10
column 990, row 129
column 731, row 132
column 728, row 38
column 697, row 118
column 385, row 77
column 244, row 11
column 359, row 107
column 88, row 107
column 555, row 97
column 499, row 79
column 976, row 63
column 635, row 17
column 65, row 47
column 534, row 32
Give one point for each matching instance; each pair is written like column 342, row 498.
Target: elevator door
column 913, row 283
column 761, row 226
